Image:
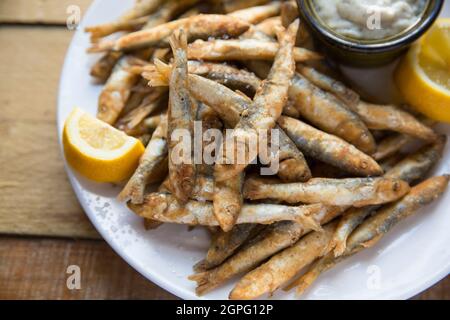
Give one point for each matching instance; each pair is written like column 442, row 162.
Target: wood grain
column 440, row 291
column 36, row 269
column 34, row 191
column 38, row 11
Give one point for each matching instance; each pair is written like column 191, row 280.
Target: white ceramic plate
column 411, row 258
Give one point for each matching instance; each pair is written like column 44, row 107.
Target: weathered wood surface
column 36, row 196
column 39, row 11
column 37, row 269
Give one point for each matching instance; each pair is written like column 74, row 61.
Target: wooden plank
column 39, row 11
column 440, row 291
column 34, row 191
column 36, row 269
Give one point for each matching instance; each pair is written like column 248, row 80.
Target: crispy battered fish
column 374, row 228
column 316, row 106
column 224, row 244
column 237, row 79
column 140, row 10
column 292, row 164
column 273, row 239
column 389, row 117
column 224, row 74
column 149, row 104
column 167, row 11
column 256, row 34
column 104, row 66
column 180, row 117
column 415, row 166
column 243, row 49
column 235, row 5
column 340, row 90
column 282, row 267
column 152, row 166
column 165, row 208
column 412, row 168
column 289, row 12
column 201, row 26
column 227, row 103
column 328, row 148
column 138, row 93
column 290, row 110
column 228, row 200
column 389, row 163
column 356, row 192
column 389, row 215
column 270, row 25
column 391, row 145
column 106, row 29
column 116, row 91
column 257, row 14
column 230, row 106
column 102, row 69
column 267, row 106
column 146, row 126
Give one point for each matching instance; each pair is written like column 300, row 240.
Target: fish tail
column 204, row 283
column 280, row 32
column 134, row 191
column 339, row 247
column 310, row 223
column 288, row 34
column 178, row 40
column 152, row 206
column 157, row 75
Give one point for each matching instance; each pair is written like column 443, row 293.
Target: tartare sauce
column 369, row 19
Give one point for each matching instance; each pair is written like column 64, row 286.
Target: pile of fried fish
column 343, row 181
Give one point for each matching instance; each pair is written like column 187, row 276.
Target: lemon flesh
column 99, row 151
column 423, row 75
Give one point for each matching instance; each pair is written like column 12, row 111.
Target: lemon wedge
column 99, row 151
column 423, row 75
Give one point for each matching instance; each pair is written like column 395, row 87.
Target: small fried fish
column 152, row 166
column 328, row 148
column 180, row 117
column 166, row 208
column 356, row 192
column 375, row 227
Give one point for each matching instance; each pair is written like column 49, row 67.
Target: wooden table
column 43, row 229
